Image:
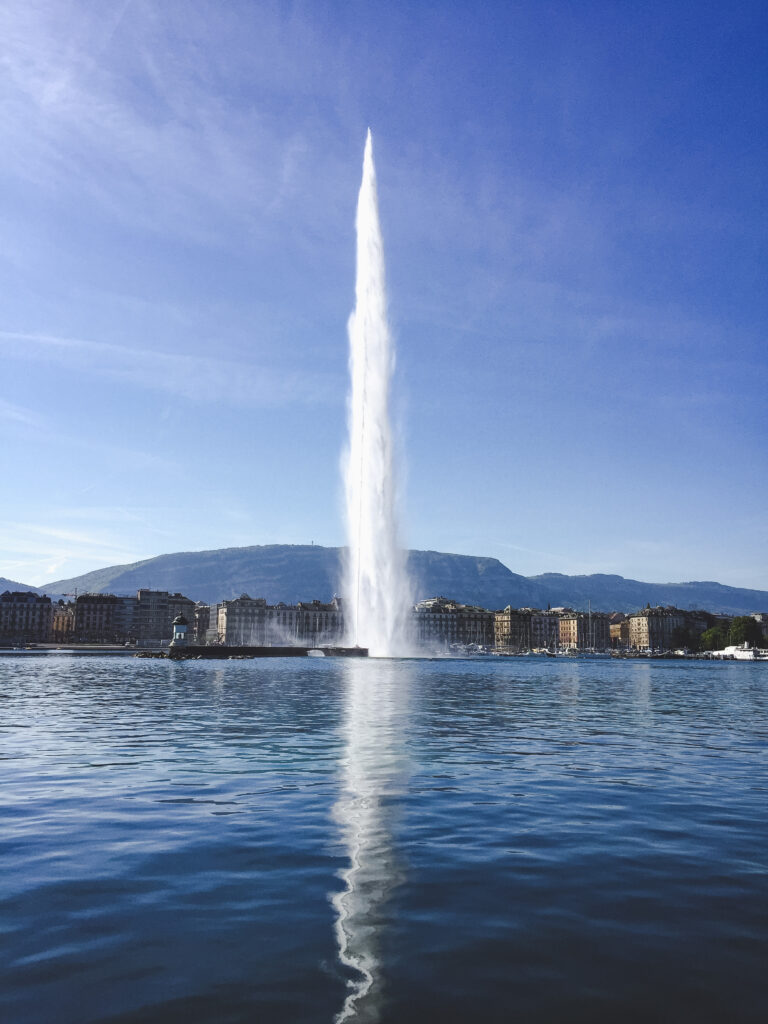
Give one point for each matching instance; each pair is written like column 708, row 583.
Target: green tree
column 683, row 637
column 745, row 629
column 714, row 639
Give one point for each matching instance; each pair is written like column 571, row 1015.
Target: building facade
column 545, row 630
column 584, row 631
column 103, row 618
column 242, row 621
column 201, row 622
column 153, row 618
column 665, row 629
column 652, row 629
column 315, row 622
column 145, row 618
column 250, row 621
column 439, row 622
column 620, row 634
column 25, row 617
column 211, row 622
column 63, row 622
column 512, row 629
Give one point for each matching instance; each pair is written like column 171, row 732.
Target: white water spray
column 374, row 775
column 376, row 584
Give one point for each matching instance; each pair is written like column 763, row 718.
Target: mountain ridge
column 13, row 585
column 302, row 572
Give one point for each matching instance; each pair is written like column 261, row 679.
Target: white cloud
column 119, row 105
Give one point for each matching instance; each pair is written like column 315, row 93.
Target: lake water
column 395, row 841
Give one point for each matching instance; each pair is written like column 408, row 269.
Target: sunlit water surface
column 392, row 841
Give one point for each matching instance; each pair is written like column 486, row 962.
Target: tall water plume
column 377, row 592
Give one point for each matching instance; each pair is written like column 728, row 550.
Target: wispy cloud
column 174, row 153
column 32, row 553
column 16, row 414
column 38, row 427
column 185, row 375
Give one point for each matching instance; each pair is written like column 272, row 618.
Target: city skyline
column 573, row 212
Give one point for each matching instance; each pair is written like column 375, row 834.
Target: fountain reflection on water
column 376, row 586
column 374, row 771
column 378, row 599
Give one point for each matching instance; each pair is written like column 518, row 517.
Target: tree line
column 741, row 629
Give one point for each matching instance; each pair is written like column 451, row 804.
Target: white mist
column 376, row 588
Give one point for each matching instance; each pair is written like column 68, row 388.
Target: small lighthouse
column 180, row 626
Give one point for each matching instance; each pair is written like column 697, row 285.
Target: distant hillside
column 301, row 572
column 483, row 581
column 11, row 585
column 293, row 572
column 614, row 593
column 279, row 572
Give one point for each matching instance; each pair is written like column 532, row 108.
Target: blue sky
column 573, row 199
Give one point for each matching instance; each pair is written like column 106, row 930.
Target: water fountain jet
column 376, row 587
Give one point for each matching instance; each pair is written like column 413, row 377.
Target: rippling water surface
column 391, row 841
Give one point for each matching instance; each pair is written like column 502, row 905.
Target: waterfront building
column 619, row 633
column 665, row 628
column 242, row 621
column 545, row 629
column 145, row 618
column 249, row 621
column 652, row 629
column 201, row 620
column 211, row 634
column 154, row 612
column 512, row 629
column 584, row 631
column 441, row 622
column 25, row 617
column 103, row 618
column 63, row 628
column 289, row 623
column 153, row 618
column 125, row 620
column 316, row 622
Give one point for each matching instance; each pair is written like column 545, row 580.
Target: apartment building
column 652, row 629
column 25, row 617
column 63, row 622
column 441, row 622
column 103, row 618
column 250, row 621
column 512, row 629
column 584, row 631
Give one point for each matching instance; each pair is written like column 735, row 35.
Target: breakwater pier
column 221, row 652
column 218, row 652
